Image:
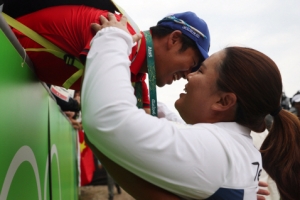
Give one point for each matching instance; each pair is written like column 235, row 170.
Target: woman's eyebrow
column 203, row 66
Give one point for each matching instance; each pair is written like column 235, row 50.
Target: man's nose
column 186, row 73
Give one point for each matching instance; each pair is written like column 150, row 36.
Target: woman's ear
column 226, row 101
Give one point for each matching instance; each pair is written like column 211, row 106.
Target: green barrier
column 64, row 176
column 33, row 133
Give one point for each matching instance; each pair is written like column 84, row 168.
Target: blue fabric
column 183, row 22
column 227, row 194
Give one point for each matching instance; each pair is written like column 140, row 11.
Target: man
column 179, row 43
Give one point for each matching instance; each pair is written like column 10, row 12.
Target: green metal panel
column 63, row 148
column 28, row 118
column 23, row 128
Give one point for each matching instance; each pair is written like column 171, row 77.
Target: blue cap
column 191, row 26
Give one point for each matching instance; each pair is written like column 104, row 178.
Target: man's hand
column 113, row 22
column 262, row 191
column 76, row 125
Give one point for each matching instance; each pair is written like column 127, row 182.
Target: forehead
column 214, row 60
column 196, row 56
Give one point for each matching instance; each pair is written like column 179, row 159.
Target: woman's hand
column 111, row 21
column 262, row 191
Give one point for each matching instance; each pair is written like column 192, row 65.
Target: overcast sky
column 270, row 26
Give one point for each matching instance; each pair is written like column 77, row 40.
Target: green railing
column 38, row 145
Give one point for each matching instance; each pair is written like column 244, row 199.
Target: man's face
column 173, row 64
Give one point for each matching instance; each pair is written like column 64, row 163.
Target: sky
column 270, row 26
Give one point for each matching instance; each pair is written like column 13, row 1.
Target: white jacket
column 193, row 161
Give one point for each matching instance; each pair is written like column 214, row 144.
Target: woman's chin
column 182, row 95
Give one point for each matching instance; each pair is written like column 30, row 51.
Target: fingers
column 263, row 192
column 111, row 17
column 103, row 20
column 262, row 184
column 260, row 197
column 136, row 37
column 111, row 21
column 123, row 20
column 96, row 27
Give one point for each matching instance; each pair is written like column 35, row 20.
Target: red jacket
column 68, row 27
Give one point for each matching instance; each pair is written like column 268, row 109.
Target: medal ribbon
column 151, row 73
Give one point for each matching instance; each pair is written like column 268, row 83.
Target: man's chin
column 169, row 82
column 160, row 84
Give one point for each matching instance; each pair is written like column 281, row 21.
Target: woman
column 211, row 158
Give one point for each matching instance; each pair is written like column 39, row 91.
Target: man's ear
column 225, row 101
column 174, row 38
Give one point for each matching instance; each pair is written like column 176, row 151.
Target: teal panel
column 64, row 159
column 23, row 129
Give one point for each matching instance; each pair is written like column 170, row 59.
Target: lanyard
column 151, row 73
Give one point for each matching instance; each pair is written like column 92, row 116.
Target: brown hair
column 256, row 81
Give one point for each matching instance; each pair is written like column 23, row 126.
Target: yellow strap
column 49, row 47
column 67, row 84
column 70, row 81
column 58, row 54
column 30, row 33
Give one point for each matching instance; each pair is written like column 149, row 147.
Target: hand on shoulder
column 111, row 21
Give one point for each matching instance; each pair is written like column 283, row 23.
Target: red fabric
column 136, row 64
column 87, row 165
column 140, row 58
column 68, row 27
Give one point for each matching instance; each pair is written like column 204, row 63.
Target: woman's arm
column 134, row 185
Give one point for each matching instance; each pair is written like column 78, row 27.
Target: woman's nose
column 189, row 75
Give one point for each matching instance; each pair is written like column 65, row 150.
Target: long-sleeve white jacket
column 213, row 161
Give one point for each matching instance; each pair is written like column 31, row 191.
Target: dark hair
column 161, row 31
column 256, row 81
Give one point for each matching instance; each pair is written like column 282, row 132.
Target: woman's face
column 194, row 106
